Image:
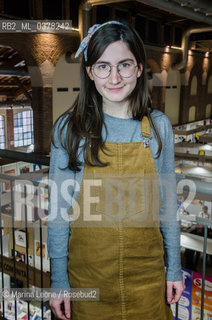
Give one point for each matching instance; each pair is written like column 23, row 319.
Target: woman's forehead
column 115, row 52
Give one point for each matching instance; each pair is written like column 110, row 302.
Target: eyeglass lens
column 125, row 69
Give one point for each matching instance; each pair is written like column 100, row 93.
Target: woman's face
column 115, row 88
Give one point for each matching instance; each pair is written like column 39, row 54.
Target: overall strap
column 145, row 127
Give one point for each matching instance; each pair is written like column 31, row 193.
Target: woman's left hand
column 174, row 290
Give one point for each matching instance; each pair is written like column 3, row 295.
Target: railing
column 205, row 223
column 26, row 199
column 206, row 248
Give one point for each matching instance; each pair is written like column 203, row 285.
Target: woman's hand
column 61, row 307
column 174, row 290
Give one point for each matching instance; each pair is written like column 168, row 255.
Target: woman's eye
column 102, row 66
column 125, row 65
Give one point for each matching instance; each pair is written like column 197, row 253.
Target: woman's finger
column 169, row 291
column 67, row 308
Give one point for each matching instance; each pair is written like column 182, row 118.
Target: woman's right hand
column 61, row 306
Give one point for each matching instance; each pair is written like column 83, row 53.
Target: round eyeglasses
column 103, row 70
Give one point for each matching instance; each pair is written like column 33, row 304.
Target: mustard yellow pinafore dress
column 115, row 244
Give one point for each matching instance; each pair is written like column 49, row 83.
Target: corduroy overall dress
column 115, row 244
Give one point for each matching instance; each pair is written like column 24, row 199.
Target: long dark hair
column 85, row 119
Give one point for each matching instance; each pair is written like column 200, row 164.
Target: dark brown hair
column 85, row 119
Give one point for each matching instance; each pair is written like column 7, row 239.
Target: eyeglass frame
column 111, row 66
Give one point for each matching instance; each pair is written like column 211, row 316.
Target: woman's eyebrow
column 121, row 61
column 128, row 59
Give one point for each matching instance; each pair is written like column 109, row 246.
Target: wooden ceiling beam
column 23, row 88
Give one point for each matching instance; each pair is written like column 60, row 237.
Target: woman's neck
column 119, row 110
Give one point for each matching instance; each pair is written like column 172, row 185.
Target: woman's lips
column 115, row 89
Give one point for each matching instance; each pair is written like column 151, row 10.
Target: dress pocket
column 120, row 197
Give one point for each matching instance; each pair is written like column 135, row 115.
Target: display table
column 195, row 242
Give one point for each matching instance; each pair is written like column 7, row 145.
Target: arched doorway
column 194, row 86
column 191, row 114
column 172, row 101
column 208, row 111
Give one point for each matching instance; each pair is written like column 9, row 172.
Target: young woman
column 110, row 153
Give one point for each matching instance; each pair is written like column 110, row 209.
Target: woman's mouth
column 116, row 89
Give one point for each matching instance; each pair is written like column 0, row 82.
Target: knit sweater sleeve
column 62, row 185
column 169, row 225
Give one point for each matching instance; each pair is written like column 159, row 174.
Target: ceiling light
column 177, row 48
column 167, row 48
column 75, row 29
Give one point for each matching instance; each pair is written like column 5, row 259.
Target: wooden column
column 37, row 9
column 2, row 6
column 66, row 9
column 10, row 129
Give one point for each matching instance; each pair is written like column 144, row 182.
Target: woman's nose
column 114, row 75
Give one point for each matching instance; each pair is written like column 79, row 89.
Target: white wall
column 66, row 75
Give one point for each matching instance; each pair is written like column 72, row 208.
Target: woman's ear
column 89, row 72
column 140, row 70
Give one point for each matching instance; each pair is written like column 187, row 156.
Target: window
column 23, row 129
column 153, row 29
column 167, row 35
column 140, row 26
column 177, row 37
column 2, row 133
